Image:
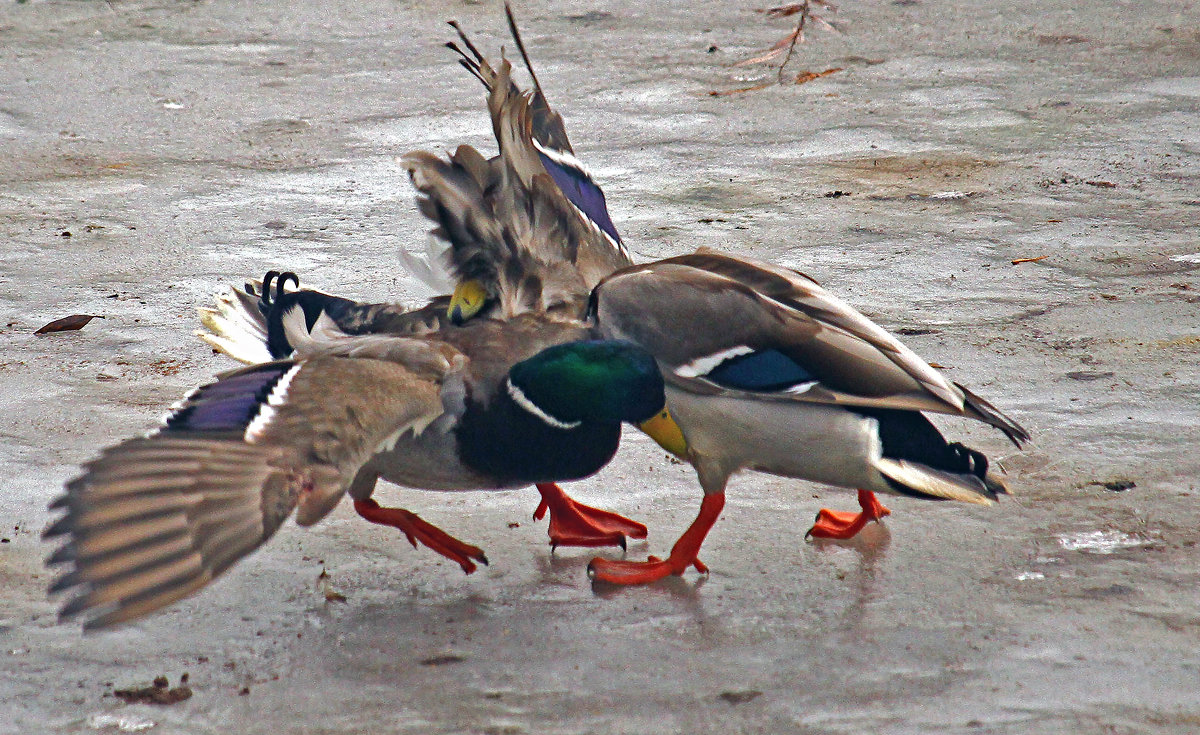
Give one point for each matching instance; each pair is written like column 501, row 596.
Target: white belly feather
column 809, row 441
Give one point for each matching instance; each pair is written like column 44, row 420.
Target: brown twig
column 797, row 36
column 739, row 90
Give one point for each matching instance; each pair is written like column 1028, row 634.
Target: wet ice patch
column 1178, row 87
column 120, row 723
column 426, row 130
column 10, row 126
column 670, row 123
column 840, row 142
column 1189, row 258
column 1100, row 542
column 1028, row 576
column 981, row 119
column 946, row 99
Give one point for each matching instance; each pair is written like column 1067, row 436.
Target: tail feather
column 978, row 408
column 534, row 146
column 546, row 125
column 144, row 531
column 914, row 478
column 236, row 326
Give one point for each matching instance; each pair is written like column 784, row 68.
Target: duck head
column 600, row 381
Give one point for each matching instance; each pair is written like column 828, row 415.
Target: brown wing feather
column 154, row 519
column 706, row 303
column 521, row 243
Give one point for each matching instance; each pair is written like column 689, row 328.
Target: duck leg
column 683, row 554
column 574, row 524
column 844, row 524
column 419, row 531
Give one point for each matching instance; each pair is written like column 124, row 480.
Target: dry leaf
column 68, row 323
column 1029, row 260
column 808, row 76
column 325, row 587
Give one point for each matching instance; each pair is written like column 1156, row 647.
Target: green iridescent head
column 592, row 381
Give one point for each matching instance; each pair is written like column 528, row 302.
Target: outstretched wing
column 519, row 242
column 154, row 519
column 533, row 143
column 722, row 324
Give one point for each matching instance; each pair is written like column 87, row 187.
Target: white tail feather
column 922, row 478
column 235, row 330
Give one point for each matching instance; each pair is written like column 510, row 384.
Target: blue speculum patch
column 229, row 404
column 583, row 193
column 765, row 370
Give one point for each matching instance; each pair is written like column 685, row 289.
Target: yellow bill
column 663, row 429
column 467, row 301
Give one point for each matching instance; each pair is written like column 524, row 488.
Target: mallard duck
column 488, row 405
column 525, row 395
column 264, row 322
column 767, row 371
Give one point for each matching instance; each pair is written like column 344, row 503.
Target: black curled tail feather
column 313, row 303
column 275, row 302
column 951, row 471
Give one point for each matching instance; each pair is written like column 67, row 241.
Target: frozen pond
column 151, row 151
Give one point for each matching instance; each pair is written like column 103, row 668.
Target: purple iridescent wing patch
column 229, row 404
column 582, row 192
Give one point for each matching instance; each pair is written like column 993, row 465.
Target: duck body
column 765, row 370
column 792, row 440
column 487, row 439
column 768, row 371
column 820, row 443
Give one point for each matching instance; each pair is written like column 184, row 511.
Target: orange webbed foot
column 574, row 524
column 836, row 524
column 617, row 571
column 422, row 532
column 683, row 554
